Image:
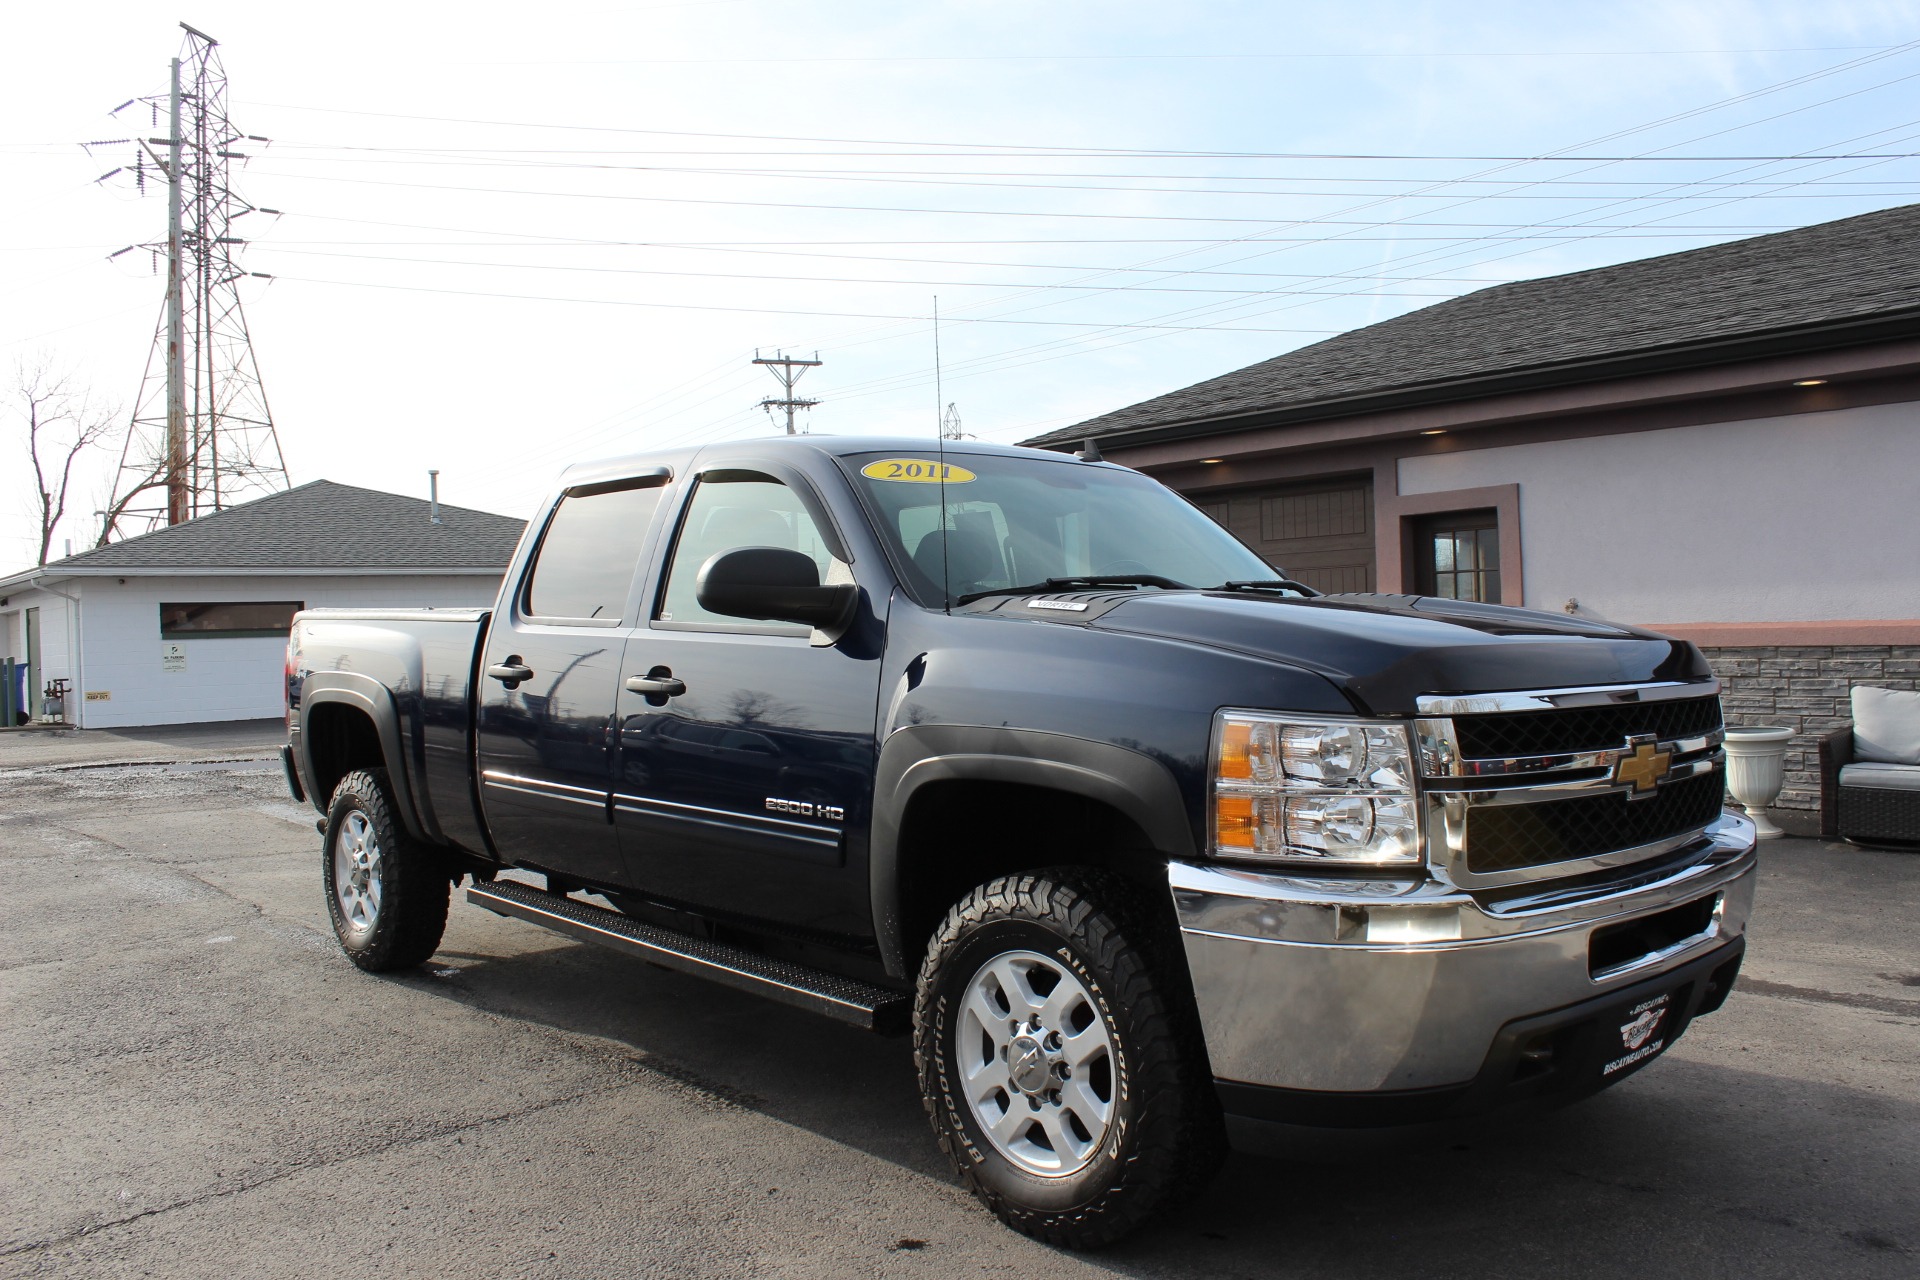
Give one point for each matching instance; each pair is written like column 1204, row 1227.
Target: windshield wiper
column 1268, row 584
column 1096, row 580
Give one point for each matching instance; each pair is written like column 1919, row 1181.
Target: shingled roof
column 1857, row 279
column 318, row 526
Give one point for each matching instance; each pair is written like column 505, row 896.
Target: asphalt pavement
column 198, row 1084
column 49, row 746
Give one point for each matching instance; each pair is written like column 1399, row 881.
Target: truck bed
column 416, row 665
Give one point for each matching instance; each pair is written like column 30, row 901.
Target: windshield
column 1019, row 521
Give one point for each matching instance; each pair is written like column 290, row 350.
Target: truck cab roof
column 787, row 447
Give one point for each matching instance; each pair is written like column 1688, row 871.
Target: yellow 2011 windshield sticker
column 916, row 471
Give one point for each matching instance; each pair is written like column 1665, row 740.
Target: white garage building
column 189, row 623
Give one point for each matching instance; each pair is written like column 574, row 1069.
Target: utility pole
column 177, row 505
column 788, row 371
column 201, row 432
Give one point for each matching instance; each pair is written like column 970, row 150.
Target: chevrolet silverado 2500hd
column 1147, row 845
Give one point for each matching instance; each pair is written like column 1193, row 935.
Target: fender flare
column 365, row 694
column 1131, row 782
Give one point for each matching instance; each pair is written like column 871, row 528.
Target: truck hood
column 1385, row 651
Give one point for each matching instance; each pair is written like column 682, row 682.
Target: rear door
column 741, row 792
column 549, row 673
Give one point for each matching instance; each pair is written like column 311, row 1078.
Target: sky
column 509, row 241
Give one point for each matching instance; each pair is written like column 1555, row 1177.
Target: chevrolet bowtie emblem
column 1644, row 767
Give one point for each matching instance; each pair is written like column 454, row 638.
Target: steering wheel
column 1120, row 569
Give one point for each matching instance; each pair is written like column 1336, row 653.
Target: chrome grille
column 1541, row 733
column 1512, row 836
column 1529, row 786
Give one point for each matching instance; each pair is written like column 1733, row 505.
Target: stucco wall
column 1808, row 517
column 225, row 678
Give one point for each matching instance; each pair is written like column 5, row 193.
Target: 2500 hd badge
column 1150, row 848
column 807, row 809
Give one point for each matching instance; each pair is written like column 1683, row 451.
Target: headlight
column 1292, row 790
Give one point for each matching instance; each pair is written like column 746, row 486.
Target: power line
column 1267, row 241
column 948, row 148
column 759, row 311
column 762, row 277
column 896, row 209
column 1172, row 57
column 880, row 179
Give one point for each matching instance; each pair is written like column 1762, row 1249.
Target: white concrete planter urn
column 1756, row 770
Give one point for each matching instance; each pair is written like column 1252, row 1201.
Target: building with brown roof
column 1723, row 444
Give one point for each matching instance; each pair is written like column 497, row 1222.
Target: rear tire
column 386, row 892
column 1060, row 1058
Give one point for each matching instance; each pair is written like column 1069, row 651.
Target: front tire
column 1059, row 1057
column 386, row 892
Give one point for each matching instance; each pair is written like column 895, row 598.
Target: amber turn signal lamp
column 1233, row 822
column 1235, row 762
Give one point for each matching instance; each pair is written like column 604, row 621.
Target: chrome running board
column 844, row 999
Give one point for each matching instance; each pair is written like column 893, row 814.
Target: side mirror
column 774, row 585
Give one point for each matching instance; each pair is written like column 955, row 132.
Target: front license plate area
column 1633, row 1035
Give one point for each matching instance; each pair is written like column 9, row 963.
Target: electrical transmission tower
column 202, row 437
column 789, row 371
column 950, row 424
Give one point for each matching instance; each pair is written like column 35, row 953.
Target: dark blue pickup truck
column 1148, row 846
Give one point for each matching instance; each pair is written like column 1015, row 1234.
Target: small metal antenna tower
column 789, row 371
column 202, row 436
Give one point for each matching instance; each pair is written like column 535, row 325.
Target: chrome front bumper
column 1356, row 986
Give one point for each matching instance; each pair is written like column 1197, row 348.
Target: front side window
column 730, row 510
column 1459, row 556
column 591, row 548
column 1013, row 521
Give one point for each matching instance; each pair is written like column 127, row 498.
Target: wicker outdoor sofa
column 1870, row 771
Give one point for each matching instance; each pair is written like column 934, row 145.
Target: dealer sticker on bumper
column 1643, row 1034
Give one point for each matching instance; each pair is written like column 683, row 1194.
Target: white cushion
column 1881, row 777
column 1886, row 725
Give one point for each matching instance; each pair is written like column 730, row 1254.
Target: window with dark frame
column 1457, row 556
column 730, row 510
column 587, row 557
column 228, row 619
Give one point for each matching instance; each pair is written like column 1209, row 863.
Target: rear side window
column 591, row 548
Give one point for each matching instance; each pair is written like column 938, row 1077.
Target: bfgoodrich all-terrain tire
column 1060, row 1059
column 386, row 892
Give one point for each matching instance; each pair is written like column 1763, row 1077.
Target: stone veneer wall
column 1805, row 688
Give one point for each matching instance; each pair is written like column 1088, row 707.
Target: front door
column 746, row 751
column 548, row 676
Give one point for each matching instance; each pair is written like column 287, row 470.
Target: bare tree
column 153, row 475
column 62, row 422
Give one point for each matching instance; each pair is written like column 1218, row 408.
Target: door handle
column 657, row 686
column 511, row 672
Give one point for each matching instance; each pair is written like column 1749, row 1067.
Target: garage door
column 1320, row 532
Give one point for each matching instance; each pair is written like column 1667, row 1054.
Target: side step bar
column 845, row 999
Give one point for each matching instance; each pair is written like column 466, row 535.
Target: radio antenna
column 940, row 452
